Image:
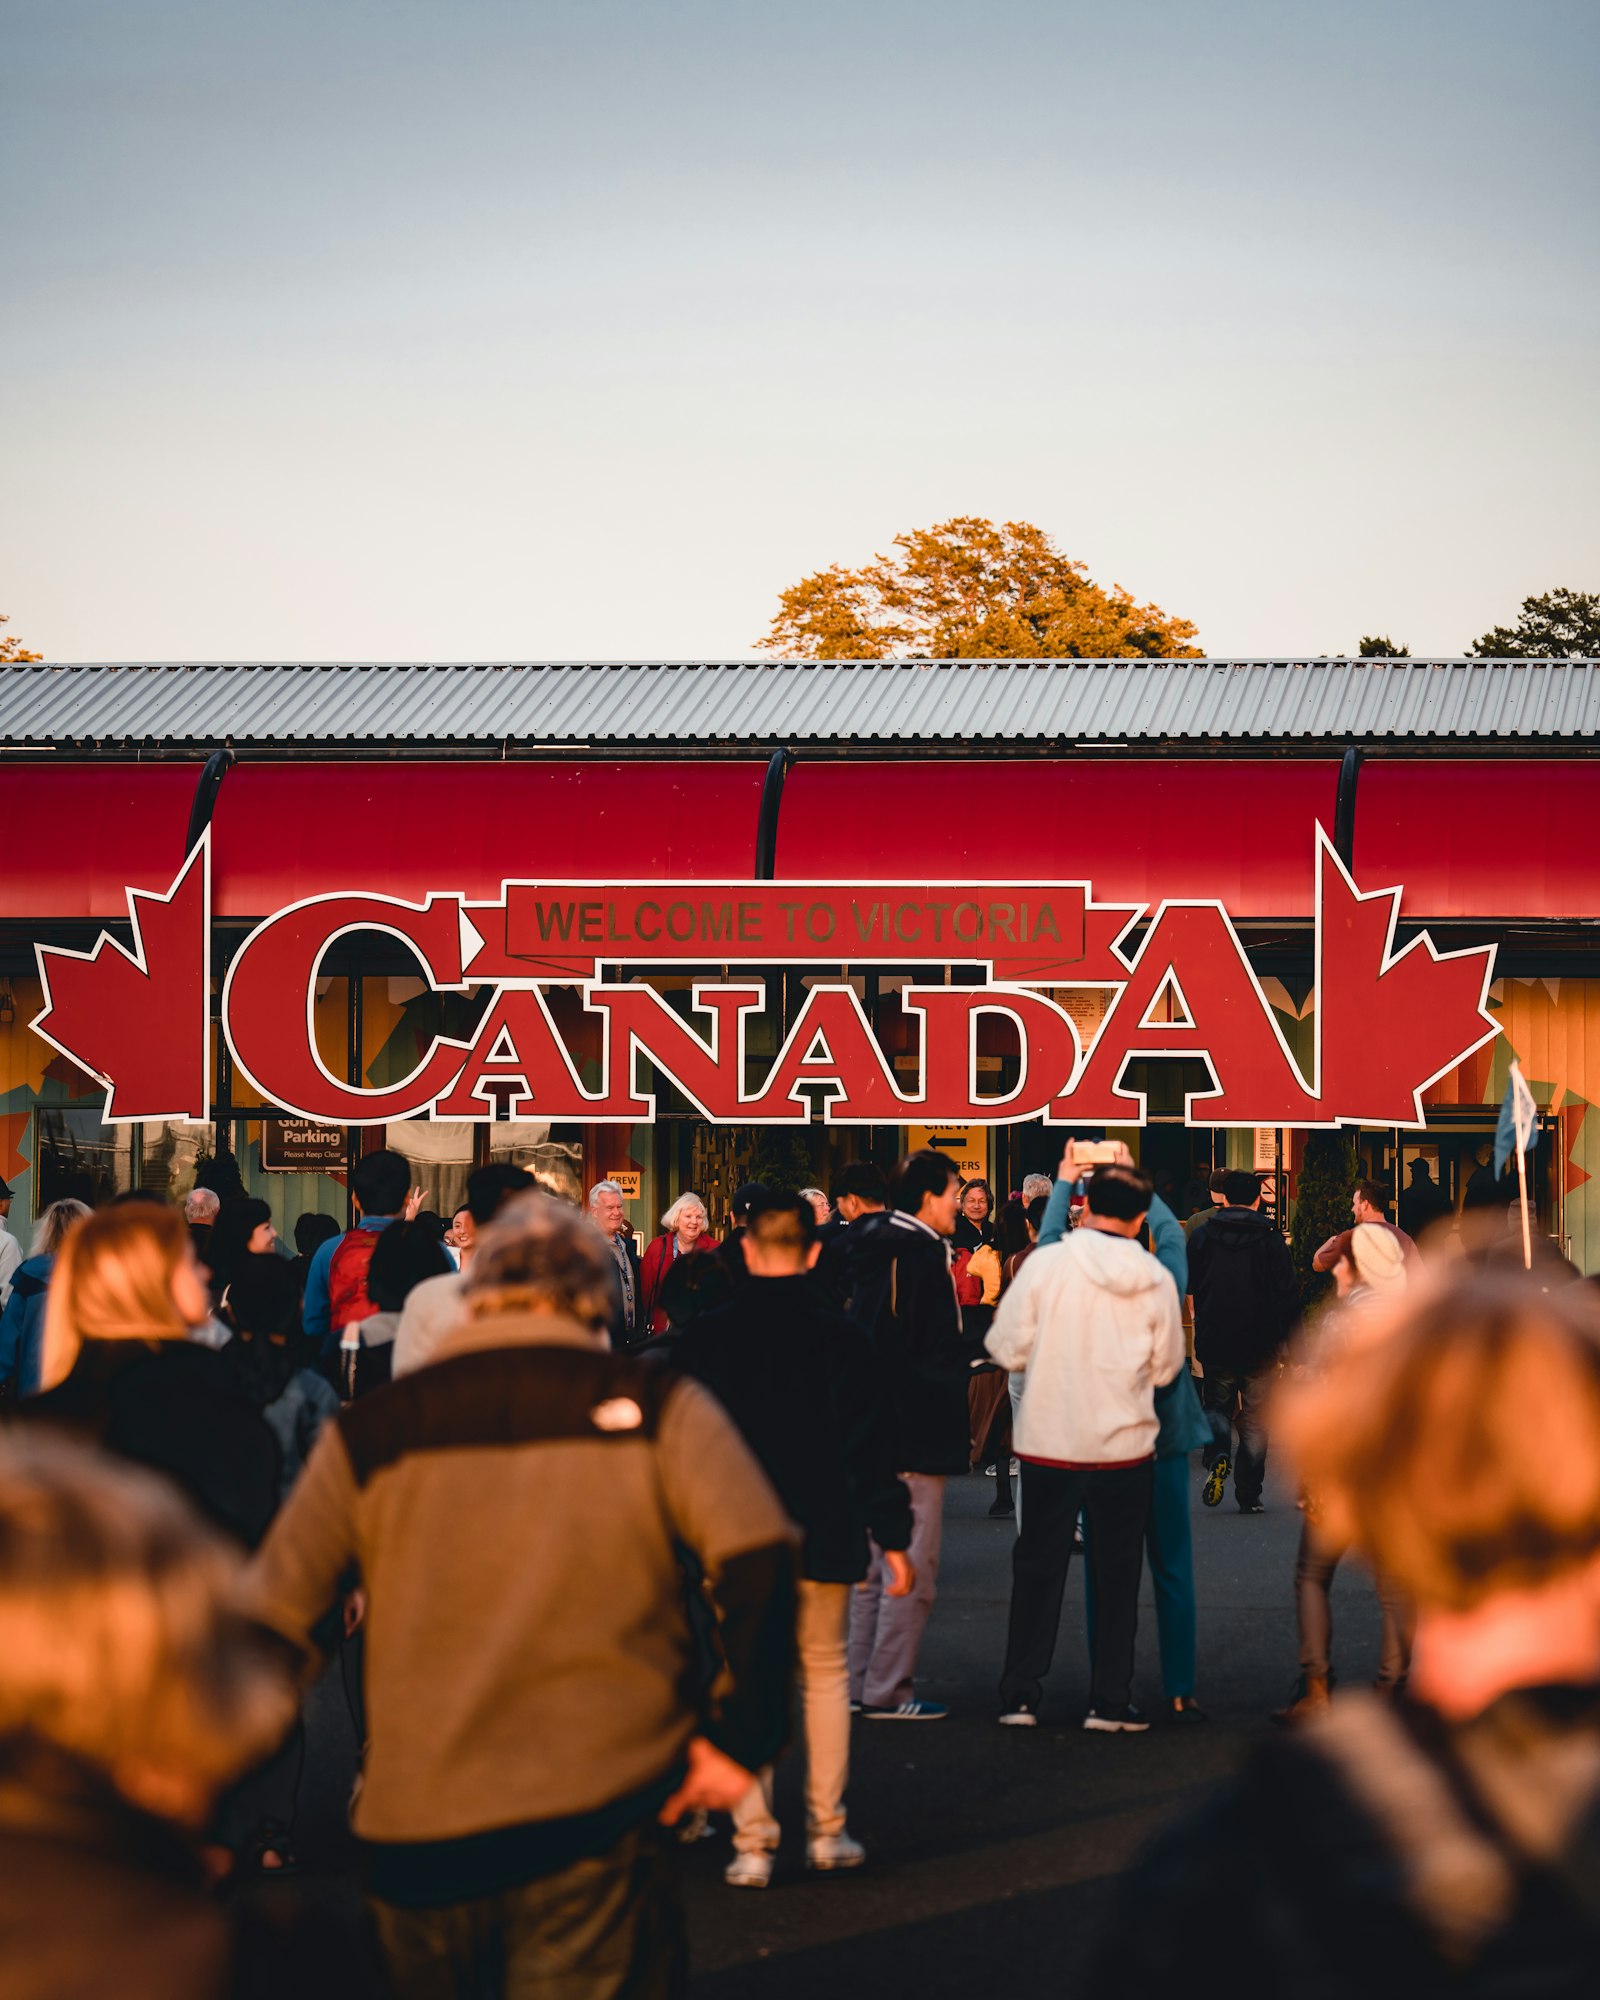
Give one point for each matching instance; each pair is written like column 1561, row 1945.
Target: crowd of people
column 587, row 1530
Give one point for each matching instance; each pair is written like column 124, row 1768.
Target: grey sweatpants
column 885, row 1632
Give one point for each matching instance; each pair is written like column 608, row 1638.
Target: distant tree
column 1561, row 625
column 1383, row 649
column 967, row 589
column 13, row 649
column 781, row 1158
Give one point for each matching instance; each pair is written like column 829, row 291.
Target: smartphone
column 1095, row 1152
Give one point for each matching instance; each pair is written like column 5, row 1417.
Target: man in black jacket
column 1246, row 1305
column 802, row 1385
column 904, row 1291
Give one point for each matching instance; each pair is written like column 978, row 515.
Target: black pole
column 777, row 981
column 217, row 767
column 224, row 1139
column 354, row 1030
column 1344, row 809
column 207, row 786
column 767, row 819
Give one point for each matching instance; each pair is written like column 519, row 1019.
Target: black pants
column 606, row 1928
column 1221, row 1389
column 1117, row 1506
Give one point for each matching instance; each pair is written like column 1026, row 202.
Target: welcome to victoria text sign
column 1176, row 979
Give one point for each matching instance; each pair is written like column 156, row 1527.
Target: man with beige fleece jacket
column 516, row 1509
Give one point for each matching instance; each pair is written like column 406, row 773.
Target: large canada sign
column 1387, row 1023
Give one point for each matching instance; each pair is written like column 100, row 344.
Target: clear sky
column 525, row 329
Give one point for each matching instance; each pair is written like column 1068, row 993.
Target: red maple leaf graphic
column 139, row 1021
column 1391, row 1022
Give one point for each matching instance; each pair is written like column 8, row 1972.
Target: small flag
column 1517, row 1130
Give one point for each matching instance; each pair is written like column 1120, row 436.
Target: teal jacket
column 1183, row 1423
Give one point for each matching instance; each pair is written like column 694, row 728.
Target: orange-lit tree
column 970, row 589
column 13, row 649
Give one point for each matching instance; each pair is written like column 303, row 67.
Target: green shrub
column 1322, row 1207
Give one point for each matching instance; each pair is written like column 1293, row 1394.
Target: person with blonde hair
column 1447, row 1841
column 22, row 1322
column 130, row 1695
column 122, row 1370
column 517, row 1508
column 686, row 1228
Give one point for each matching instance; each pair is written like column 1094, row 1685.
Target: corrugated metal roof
column 931, row 706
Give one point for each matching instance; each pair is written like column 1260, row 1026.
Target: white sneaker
column 752, row 1870
column 834, row 1850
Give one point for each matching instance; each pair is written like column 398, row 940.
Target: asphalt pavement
column 991, row 1853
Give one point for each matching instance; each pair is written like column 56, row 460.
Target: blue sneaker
column 908, row 1711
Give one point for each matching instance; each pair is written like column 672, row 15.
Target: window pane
column 80, row 1159
column 441, row 1159
column 173, row 1148
column 557, row 1164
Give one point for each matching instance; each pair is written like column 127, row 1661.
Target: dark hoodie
column 801, row 1382
column 903, row 1295
column 1246, row 1298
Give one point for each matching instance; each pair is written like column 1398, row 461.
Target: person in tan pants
column 800, row 1380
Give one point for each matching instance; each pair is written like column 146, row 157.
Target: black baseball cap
column 5, row 1191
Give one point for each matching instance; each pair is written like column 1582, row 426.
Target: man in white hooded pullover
column 1095, row 1324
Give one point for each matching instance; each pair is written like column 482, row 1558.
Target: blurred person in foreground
column 801, row 1382
column 1446, row 1842
column 514, row 1508
column 122, row 1370
column 1370, row 1275
column 22, row 1322
column 130, row 1694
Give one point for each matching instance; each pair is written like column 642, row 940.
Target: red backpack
column 347, row 1278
